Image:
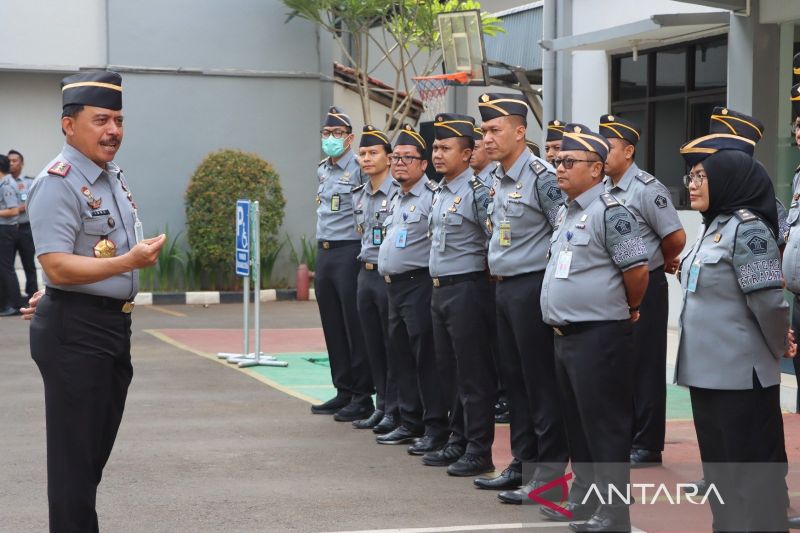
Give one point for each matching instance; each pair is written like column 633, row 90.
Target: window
column 669, row 93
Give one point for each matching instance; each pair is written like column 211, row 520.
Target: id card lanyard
column 564, row 259
column 505, row 227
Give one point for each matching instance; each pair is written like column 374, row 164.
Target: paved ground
column 206, row 448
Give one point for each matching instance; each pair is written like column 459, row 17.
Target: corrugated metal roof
column 518, row 46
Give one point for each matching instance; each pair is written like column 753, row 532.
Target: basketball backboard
column 461, row 37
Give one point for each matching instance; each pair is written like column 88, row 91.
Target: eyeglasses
column 569, row 161
column 406, row 159
column 795, row 127
column 694, row 179
column 337, row 134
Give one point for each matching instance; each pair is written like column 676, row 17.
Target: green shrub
column 221, row 179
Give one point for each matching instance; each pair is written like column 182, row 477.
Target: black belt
column 517, row 276
column 9, row 226
column 104, row 302
column 577, row 327
column 411, row 274
column 329, row 245
column 369, row 266
column 458, row 278
column 24, row 224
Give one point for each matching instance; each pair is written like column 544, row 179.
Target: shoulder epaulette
column 475, row 183
column 538, row 167
column 359, row 187
column 322, row 162
column 745, row 215
column 645, row 178
column 796, row 170
column 609, row 200
column 432, row 186
column 60, row 168
column 394, row 196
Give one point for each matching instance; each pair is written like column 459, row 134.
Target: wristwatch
column 632, row 310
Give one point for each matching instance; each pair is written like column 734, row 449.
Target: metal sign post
column 243, row 270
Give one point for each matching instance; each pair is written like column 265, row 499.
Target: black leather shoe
column 579, row 512
column 471, row 464
column 371, row 422
column 400, row 435
column 354, row 411
column 448, row 455
column 520, row 496
column 701, row 484
column 606, row 518
column 388, row 423
column 10, row 311
column 509, row 479
column 793, row 522
column 645, row 458
column 425, row 445
column 331, row 406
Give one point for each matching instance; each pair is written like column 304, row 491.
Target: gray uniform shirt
column 371, row 210
column 650, row 201
column 604, row 241
column 486, row 175
column 8, row 199
column 457, row 236
column 791, row 254
column 523, row 211
column 23, row 186
column 406, row 245
column 335, row 198
column 62, row 220
column 734, row 318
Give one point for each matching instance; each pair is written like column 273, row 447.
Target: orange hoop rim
column 459, row 77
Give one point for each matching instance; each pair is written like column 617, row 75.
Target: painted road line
column 477, row 527
column 163, row 310
column 212, row 357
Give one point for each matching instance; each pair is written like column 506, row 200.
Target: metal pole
column 246, row 313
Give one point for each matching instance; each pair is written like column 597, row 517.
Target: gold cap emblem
column 577, row 129
column 724, row 111
column 484, row 98
column 556, row 123
column 611, row 117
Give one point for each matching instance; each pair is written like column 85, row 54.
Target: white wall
column 53, row 33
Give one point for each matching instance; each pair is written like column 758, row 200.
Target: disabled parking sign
column 243, row 238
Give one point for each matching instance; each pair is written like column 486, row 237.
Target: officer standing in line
column 336, row 276
column 403, row 262
column 9, row 216
column 89, row 243
column 24, row 244
column 596, row 238
column 651, row 203
column 460, row 291
column 552, row 143
column 525, row 202
column 371, row 201
column 483, row 168
column 533, row 147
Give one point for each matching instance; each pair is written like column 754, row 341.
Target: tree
column 404, row 32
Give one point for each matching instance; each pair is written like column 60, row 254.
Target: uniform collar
column 385, row 187
column 343, row 161
column 627, row 178
column 419, row 186
column 82, row 164
column 587, row 197
column 718, row 221
column 516, row 169
column 458, row 182
column 487, row 170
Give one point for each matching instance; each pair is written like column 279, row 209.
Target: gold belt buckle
column 558, row 331
column 127, row 307
column 436, row 282
column 369, row 266
column 326, row 245
column 387, row 279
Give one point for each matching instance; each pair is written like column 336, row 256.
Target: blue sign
column 242, row 238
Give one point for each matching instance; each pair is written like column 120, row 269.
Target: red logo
column 562, row 482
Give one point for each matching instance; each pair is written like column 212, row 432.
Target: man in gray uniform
column 87, row 236
column 24, row 244
column 460, row 292
column 525, row 201
column 336, row 276
column 9, row 217
column 371, row 209
column 479, row 161
column 651, row 202
column 552, row 143
column 403, row 262
column 594, row 283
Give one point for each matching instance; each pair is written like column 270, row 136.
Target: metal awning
column 523, row 26
column 654, row 31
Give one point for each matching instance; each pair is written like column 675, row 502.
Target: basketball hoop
column 432, row 90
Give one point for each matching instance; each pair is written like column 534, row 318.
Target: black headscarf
column 738, row 181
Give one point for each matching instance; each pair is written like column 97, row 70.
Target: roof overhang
column 657, row 30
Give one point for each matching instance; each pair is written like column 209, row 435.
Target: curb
column 216, row 297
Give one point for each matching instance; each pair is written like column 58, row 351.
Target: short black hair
column 14, row 152
column 518, row 120
column 466, row 142
column 5, row 165
column 70, row 110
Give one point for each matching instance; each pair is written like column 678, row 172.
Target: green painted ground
column 309, row 375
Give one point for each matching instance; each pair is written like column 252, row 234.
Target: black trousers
column 494, row 343
column 461, row 337
column 24, row 246
column 421, row 401
column 650, row 345
column 594, row 369
column 373, row 309
column 83, row 354
column 796, row 328
column 527, row 365
column 740, row 433
column 336, row 286
column 9, row 285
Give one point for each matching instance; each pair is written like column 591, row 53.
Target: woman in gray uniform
column 734, row 331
